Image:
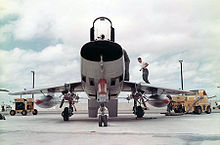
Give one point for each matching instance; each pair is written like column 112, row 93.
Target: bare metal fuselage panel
column 102, row 60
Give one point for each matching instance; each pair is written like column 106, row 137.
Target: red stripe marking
column 167, row 101
column 38, row 102
column 102, row 83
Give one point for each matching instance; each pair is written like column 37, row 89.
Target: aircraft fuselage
column 102, row 60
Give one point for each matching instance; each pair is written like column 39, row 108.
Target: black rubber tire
column 140, row 112
column 12, row 112
column 180, row 110
column 66, row 114
column 24, row 112
column 209, row 110
column 184, row 110
column 100, row 121
column 2, row 117
column 198, row 110
column 176, row 111
column 105, row 120
column 35, row 112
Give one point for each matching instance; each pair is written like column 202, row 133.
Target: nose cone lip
column 38, row 102
column 167, row 101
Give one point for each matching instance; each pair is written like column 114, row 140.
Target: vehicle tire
column 100, row 121
column 105, row 120
column 35, row 112
column 140, row 112
column 208, row 111
column 66, row 114
column 24, row 112
column 180, row 110
column 176, row 111
column 184, row 110
column 12, row 112
column 2, row 117
column 198, row 110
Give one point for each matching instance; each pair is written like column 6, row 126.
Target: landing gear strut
column 103, row 118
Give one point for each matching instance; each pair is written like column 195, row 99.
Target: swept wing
column 74, row 87
column 149, row 89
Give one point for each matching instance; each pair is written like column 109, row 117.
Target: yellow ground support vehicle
column 24, row 106
column 195, row 102
column 217, row 105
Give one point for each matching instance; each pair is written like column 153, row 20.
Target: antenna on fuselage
column 112, row 30
column 101, row 65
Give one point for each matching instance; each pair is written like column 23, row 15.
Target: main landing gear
column 138, row 109
column 103, row 118
column 72, row 99
column 67, row 112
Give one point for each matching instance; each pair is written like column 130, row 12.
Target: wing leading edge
column 149, row 89
column 73, row 87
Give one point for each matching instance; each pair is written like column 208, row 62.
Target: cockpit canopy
column 102, row 30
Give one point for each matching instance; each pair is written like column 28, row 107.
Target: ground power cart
column 24, row 106
column 195, row 102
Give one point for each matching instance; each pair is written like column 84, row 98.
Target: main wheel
column 139, row 112
column 12, row 112
column 35, row 112
column 24, row 112
column 198, row 110
column 66, row 114
column 208, row 111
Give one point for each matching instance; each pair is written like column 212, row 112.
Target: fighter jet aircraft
column 103, row 76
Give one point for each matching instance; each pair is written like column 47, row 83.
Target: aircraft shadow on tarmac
column 112, row 119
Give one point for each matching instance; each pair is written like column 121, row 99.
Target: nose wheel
column 103, row 119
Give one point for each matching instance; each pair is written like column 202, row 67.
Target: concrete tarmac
column 155, row 128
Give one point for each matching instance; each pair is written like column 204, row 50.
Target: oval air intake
column 94, row 50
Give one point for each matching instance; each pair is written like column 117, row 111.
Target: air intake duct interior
column 94, row 50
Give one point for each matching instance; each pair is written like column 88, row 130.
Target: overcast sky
column 46, row 36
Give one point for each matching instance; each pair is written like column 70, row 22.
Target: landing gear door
column 102, row 94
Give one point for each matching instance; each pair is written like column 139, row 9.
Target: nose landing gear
column 103, row 118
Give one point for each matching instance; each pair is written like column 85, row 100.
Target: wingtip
column 4, row 90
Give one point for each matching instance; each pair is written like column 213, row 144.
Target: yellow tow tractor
column 195, row 102
column 217, row 105
column 24, row 106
